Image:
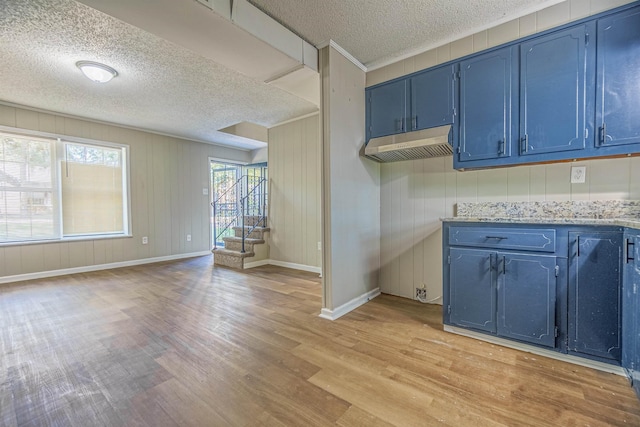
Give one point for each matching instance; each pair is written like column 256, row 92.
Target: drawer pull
column 497, row 237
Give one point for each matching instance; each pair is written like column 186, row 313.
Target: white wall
column 351, row 186
column 167, row 178
column 415, row 194
column 294, row 192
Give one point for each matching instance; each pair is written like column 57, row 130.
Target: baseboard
column 98, row 267
column 345, row 308
column 593, row 364
column 292, row 265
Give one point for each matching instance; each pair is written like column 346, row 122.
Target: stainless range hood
column 419, row 144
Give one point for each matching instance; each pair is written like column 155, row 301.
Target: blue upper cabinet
column 618, row 90
column 387, row 106
column 557, row 83
column 423, row 100
column 432, row 98
column 488, row 108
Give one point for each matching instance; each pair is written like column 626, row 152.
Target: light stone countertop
column 621, row 213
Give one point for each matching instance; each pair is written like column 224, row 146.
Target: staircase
column 240, row 222
column 255, row 247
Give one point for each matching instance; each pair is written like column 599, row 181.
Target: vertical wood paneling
column 294, row 209
column 442, row 188
column 166, row 180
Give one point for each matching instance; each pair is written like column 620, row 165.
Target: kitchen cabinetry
column 618, row 91
column 420, row 101
column 631, row 308
column 557, row 82
column 595, row 284
column 557, row 287
column 500, row 290
column 387, row 105
column 488, row 108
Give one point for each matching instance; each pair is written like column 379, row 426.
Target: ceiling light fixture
column 96, row 71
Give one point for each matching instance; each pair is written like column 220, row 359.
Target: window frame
column 59, row 143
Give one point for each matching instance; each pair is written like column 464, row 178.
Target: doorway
column 231, row 185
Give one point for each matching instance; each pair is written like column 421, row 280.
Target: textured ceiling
column 165, row 87
column 161, row 86
column 377, row 31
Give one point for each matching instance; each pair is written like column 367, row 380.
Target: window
column 54, row 189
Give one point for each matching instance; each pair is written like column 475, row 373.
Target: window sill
column 67, row 240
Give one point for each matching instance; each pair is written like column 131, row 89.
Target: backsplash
column 583, row 209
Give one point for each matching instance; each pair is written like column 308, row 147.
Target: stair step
column 235, row 243
column 229, row 258
column 252, row 220
column 256, row 233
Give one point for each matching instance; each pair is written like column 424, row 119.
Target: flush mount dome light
column 96, row 71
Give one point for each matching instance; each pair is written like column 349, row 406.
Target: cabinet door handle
column 402, row 125
column 578, row 247
column 501, row 147
column 497, row 237
column 490, row 262
column 414, row 122
column 525, row 143
column 628, row 249
column 504, row 265
column 603, row 133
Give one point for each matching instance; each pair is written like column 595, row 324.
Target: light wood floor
column 184, row 343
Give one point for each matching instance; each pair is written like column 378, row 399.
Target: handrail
column 227, row 190
column 252, row 187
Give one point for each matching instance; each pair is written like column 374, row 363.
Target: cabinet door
column 617, row 108
column 432, row 97
column 527, row 298
column 595, row 294
column 630, row 307
column 488, row 105
column 472, row 298
column 387, row 109
column 557, row 72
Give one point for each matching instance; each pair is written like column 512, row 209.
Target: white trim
column 254, row 264
column 344, row 53
column 292, row 265
column 593, row 364
column 102, row 122
column 98, row 267
column 295, row 119
column 345, row 308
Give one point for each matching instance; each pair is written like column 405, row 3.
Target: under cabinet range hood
column 419, row 144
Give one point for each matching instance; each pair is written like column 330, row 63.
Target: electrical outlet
column 421, row 294
column 578, row 174
column 319, row 246
column 145, row 240
column 205, row 191
column 188, row 237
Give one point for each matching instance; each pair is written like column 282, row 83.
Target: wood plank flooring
column 187, row 344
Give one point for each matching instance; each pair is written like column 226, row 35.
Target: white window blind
column 87, row 197
column 27, row 199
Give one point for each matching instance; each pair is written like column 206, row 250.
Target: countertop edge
column 620, row 222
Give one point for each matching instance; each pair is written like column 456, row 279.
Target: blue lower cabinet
column 472, row 289
column 527, row 297
column 594, row 296
column 630, row 308
column 568, row 295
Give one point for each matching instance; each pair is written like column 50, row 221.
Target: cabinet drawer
column 530, row 239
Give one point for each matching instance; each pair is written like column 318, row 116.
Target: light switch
column 578, row 174
column 205, row 191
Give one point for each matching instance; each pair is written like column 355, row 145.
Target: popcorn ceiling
column 376, row 31
column 161, row 86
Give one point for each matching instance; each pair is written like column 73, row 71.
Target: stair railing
column 252, row 201
column 221, row 211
